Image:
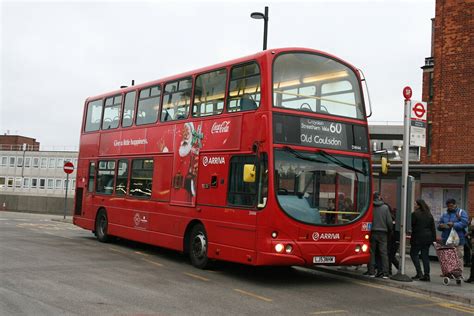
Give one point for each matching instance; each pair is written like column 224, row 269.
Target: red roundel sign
column 68, row 167
column 419, row 110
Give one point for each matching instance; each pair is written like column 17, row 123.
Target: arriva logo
column 326, row 236
column 212, row 161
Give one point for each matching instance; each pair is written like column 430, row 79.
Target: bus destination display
column 319, row 133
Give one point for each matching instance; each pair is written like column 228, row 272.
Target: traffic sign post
column 401, row 276
column 68, row 169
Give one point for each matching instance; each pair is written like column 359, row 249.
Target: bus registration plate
column 324, row 259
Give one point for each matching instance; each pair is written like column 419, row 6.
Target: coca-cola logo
column 219, row 128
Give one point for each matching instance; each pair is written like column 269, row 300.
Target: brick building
column 448, row 82
column 16, row 142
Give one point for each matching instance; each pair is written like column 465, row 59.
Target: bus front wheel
column 198, row 247
column 101, row 226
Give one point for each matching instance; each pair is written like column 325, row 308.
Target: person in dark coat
column 381, row 229
column 423, row 234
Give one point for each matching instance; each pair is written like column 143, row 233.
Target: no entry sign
column 68, row 167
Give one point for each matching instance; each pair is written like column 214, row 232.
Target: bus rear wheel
column 101, row 226
column 198, row 247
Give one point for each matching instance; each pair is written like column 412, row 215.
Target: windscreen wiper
column 325, row 154
column 300, row 156
column 339, row 162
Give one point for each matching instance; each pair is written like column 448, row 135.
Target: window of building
column 34, row 183
column 26, row 183
column 4, row 162
column 27, row 162
column 112, row 110
column 35, row 162
column 10, row 182
column 18, row 182
column 60, row 163
column 122, row 178
column 128, row 109
column 19, row 162
column 50, row 184
column 240, row 192
column 90, row 185
column 42, row 183
column 2, row 182
column 105, row 177
column 44, row 163
column 431, row 86
column 12, row 162
column 176, row 100
column 148, row 105
column 73, row 185
column 141, row 177
column 52, row 163
column 94, row 116
column 209, row 93
column 59, row 184
column 244, row 88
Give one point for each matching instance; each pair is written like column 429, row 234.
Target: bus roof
column 240, row 60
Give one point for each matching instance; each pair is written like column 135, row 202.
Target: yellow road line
column 340, row 311
column 458, row 308
column 153, row 262
column 141, row 253
column 196, row 276
column 399, row 291
column 117, row 250
column 254, row 295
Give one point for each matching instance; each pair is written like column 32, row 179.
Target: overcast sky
column 55, row 54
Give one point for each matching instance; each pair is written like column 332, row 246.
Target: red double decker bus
column 262, row 160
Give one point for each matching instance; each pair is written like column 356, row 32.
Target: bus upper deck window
column 176, row 100
column 244, row 88
column 94, row 115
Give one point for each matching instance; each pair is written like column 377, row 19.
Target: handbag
column 453, row 238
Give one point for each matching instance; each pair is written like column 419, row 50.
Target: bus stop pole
column 65, row 195
column 400, row 276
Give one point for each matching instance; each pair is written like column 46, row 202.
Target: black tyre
column 101, row 226
column 198, row 247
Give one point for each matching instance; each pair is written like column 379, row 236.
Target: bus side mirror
column 384, row 165
column 249, row 173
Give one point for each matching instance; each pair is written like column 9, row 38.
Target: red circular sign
column 419, row 110
column 68, row 167
column 407, row 92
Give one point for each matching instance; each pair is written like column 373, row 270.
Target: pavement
column 463, row 293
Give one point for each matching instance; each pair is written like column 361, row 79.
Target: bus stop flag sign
column 418, row 123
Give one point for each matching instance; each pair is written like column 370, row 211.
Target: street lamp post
column 264, row 16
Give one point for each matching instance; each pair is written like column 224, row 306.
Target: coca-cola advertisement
column 188, row 143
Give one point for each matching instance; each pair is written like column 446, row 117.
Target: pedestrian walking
column 455, row 219
column 381, row 229
column 423, row 234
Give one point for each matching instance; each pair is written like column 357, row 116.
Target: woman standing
column 423, row 234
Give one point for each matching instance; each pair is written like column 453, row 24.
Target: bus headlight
column 365, row 248
column 288, row 248
column 279, row 248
